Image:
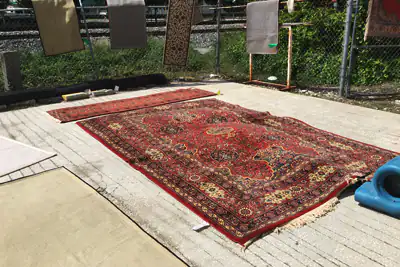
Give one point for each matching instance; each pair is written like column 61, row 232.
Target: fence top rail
column 241, row 6
column 16, row 9
column 96, row 7
column 375, row 46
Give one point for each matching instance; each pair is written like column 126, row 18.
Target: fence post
column 89, row 41
column 353, row 51
column 345, row 48
column 217, row 50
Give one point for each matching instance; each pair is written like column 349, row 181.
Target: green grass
column 40, row 71
column 316, row 60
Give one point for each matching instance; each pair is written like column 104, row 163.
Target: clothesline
column 291, row 24
column 106, row 7
column 134, row 13
column 240, row 6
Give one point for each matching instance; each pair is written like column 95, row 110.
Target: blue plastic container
column 382, row 193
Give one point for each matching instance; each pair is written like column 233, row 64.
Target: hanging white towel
column 290, row 6
column 262, row 27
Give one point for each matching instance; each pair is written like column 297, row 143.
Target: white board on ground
column 15, row 155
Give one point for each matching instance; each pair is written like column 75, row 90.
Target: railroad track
column 206, row 27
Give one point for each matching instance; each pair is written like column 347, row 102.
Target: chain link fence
column 374, row 64
column 18, row 32
column 317, row 48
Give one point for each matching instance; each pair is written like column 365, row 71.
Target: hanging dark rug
column 177, row 38
column 243, row 171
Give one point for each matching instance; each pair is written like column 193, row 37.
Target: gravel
column 10, row 41
column 204, row 40
column 33, row 45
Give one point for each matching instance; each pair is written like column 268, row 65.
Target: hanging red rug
column 243, row 171
column 115, row 106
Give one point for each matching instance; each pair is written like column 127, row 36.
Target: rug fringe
column 310, row 216
column 318, row 212
column 304, row 219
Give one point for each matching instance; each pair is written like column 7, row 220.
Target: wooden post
column 11, row 67
column 218, row 48
column 250, row 67
column 289, row 67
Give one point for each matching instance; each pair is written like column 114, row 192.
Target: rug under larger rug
column 243, row 171
column 115, row 106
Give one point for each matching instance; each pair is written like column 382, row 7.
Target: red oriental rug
column 116, row 106
column 243, row 171
column 383, row 19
